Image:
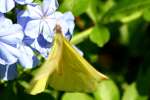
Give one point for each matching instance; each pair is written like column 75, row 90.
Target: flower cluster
column 34, row 31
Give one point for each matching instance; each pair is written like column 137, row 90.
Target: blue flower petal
column 8, row 54
column 11, row 34
column 34, row 11
column 49, row 6
column 33, row 28
column 68, row 35
column 2, row 61
column 6, row 5
column 35, row 61
column 66, row 21
column 27, row 57
column 23, row 1
column 27, row 40
column 2, row 71
column 8, row 72
column 22, row 18
column 47, row 29
column 42, row 50
column 43, row 43
column 4, row 22
column 1, row 15
column 69, row 18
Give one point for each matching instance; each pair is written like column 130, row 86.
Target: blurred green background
column 114, row 36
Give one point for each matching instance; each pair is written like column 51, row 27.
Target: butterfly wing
column 74, row 73
column 65, row 70
column 41, row 75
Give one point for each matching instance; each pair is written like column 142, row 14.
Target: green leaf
column 124, row 34
column 80, row 37
column 127, row 9
column 100, row 35
column 147, row 14
column 143, row 81
column 92, row 11
column 97, row 8
column 107, row 90
column 130, row 17
column 76, row 6
column 131, row 93
column 76, row 96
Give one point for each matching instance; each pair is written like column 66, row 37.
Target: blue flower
column 39, row 19
column 7, row 5
column 12, row 49
column 8, row 72
column 39, row 22
column 66, row 22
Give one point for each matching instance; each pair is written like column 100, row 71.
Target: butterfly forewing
column 74, row 73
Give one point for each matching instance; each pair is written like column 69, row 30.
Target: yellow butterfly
column 65, row 70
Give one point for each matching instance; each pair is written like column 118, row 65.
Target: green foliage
column 131, row 93
column 107, row 90
column 76, row 96
column 80, row 37
column 76, row 6
column 126, row 9
column 147, row 14
column 100, row 35
column 98, row 8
